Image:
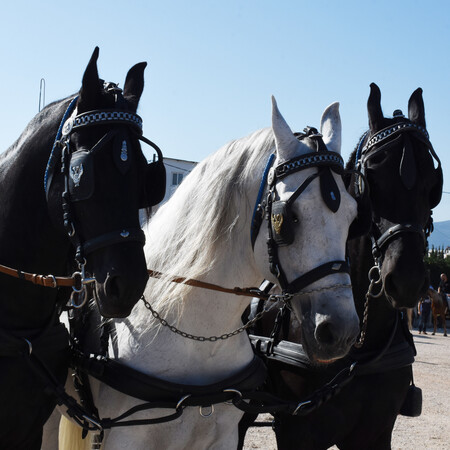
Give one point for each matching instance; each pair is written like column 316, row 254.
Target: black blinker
column 154, row 184
column 282, row 223
column 81, row 176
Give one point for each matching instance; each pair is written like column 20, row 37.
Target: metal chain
column 375, row 279
column 274, row 299
column 223, row 337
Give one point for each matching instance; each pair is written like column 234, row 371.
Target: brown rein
column 246, row 292
column 54, row 282
column 42, row 280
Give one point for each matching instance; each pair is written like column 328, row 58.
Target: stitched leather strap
column 41, row 280
column 246, row 292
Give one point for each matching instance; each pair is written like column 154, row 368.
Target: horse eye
column 294, row 219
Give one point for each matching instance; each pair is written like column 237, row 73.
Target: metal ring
column 181, row 401
column 30, row 346
column 78, row 291
column 55, row 284
column 73, row 304
column 300, row 406
column 235, row 391
column 71, row 233
column 371, row 272
column 206, row 415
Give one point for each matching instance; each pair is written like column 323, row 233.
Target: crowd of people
column 424, row 305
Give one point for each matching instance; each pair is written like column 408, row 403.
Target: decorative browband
column 313, row 159
column 387, row 132
column 106, row 117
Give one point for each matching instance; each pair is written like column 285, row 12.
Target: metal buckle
column 55, row 284
column 93, row 422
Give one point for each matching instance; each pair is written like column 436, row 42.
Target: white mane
column 198, row 225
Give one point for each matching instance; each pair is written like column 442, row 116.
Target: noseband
column 366, row 150
column 281, row 221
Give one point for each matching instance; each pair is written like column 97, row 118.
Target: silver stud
column 124, row 151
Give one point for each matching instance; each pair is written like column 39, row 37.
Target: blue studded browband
column 387, row 132
column 313, row 159
column 105, row 116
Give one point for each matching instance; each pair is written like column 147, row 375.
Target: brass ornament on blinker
column 277, row 222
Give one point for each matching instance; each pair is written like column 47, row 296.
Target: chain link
column 273, row 301
column 375, row 279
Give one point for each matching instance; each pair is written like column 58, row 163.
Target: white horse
column 202, row 232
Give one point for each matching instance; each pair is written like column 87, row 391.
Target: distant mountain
column 440, row 237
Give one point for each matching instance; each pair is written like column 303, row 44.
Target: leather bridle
column 325, row 161
column 368, row 147
column 62, row 151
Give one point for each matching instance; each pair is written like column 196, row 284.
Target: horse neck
column 197, row 311
column 28, row 239
column 382, row 316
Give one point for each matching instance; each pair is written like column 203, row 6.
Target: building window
column 177, row 178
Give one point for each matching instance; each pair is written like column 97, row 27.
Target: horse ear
column 134, row 84
column 288, row 146
column 416, row 108
column 331, row 127
column 374, row 108
column 90, row 88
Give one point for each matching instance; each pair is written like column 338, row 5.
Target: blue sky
column 214, row 65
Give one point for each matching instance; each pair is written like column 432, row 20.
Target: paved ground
column 430, row 431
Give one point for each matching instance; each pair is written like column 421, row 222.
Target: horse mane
column 352, row 158
column 36, row 125
column 198, row 225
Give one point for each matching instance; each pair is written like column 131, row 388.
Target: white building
column 176, row 171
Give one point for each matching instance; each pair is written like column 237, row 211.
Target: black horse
column 70, row 191
column 355, row 406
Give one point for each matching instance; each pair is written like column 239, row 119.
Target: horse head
column 102, row 182
column 396, row 157
column 311, row 213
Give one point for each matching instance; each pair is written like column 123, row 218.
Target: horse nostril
column 389, row 286
column 324, row 333
column 113, row 288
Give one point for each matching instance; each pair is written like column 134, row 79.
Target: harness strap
column 394, row 231
column 42, row 280
column 52, row 337
column 148, row 388
column 329, row 268
column 246, row 292
column 114, row 237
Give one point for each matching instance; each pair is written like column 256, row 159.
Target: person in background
column 424, row 309
column 444, row 289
